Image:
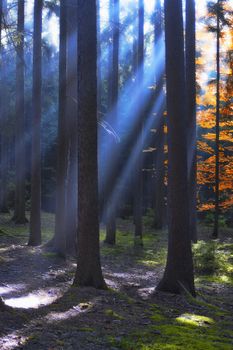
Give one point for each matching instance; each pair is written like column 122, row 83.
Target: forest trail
column 49, row 314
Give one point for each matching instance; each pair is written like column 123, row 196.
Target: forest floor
column 47, row 313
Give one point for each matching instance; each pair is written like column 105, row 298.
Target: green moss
column 113, row 314
column 86, row 329
column 195, row 320
column 176, row 336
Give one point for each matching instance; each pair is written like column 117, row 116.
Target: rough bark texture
column 62, row 155
column 71, row 112
column 88, row 263
column 138, row 180
column 112, row 108
column 190, row 44
column 178, row 275
column 20, row 163
column 217, row 141
column 35, row 217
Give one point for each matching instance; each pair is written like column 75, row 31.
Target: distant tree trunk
column 35, row 218
column 3, row 111
column 71, row 113
column 138, row 185
column 20, row 162
column 88, row 271
column 160, row 135
column 99, row 75
column 113, row 110
column 62, row 155
column 178, row 275
column 217, row 141
column 190, row 43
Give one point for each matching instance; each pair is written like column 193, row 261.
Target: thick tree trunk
column 88, row 263
column 190, row 43
column 62, row 155
column 159, row 219
column 113, row 110
column 35, row 217
column 217, row 141
column 20, row 162
column 178, row 275
column 71, row 112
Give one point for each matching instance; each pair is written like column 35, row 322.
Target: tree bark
column 20, row 163
column 88, row 271
column 160, row 135
column 3, row 112
column 217, row 141
column 178, row 275
column 190, row 43
column 71, row 113
column 35, row 217
column 111, row 209
column 62, row 155
column 138, row 180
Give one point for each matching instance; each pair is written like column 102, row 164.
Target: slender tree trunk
column 217, row 141
column 60, row 229
column 178, row 275
column 113, row 111
column 99, row 75
column 20, row 163
column 88, row 263
column 3, row 111
column 71, row 112
column 190, row 43
column 35, row 217
column 138, row 186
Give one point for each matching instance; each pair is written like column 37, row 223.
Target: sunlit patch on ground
column 195, row 320
column 12, row 341
column 34, row 300
column 8, row 288
column 71, row 313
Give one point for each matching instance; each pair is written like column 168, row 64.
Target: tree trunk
column 217, row 141
column 113, row 110
column 138, row 180
column 35, row 218
column 62, row 155
column 160, row 135
column 20, row 163
column 88, row 271
column 71, row 112
column 3, row 111
column 178, row 275
column 190, row 43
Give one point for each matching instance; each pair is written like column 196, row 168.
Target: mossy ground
column 130, row 315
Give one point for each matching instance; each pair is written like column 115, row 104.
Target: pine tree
column 35, row 217
column 88, row 271
column 178, row 275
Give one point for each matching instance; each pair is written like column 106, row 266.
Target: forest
column 116, row 174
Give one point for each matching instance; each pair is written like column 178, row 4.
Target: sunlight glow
column 34, row 300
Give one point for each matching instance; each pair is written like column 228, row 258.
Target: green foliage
column 205, row 257
column 149, row 218
column 209, row 220
column 214, row 258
